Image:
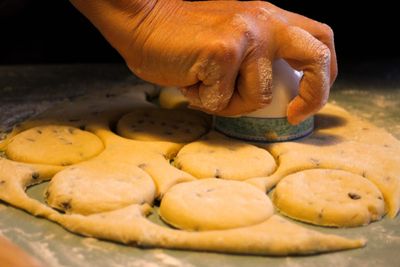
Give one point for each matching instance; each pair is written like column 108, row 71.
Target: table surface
column 367, row 90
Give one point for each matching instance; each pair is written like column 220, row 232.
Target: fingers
column 253, row 87
column 320, row 31
column 303, row 52
column 217, row 76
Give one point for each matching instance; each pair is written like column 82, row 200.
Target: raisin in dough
column 329, row 198
column 224, row 158
column 218, row 204
column 54, row 144
column 151, row 124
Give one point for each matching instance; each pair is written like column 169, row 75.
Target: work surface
column 27, row 90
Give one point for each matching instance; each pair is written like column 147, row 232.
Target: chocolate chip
column 142, row 165
column 315, row 161
column 2, row 182
column 217, row 173
column 380, row 197
column 66, row 205
column 35, row 175
column 82, row 127
column 39, row 131
column 321, row 214
column 354, row 196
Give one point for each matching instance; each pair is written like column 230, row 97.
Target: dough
column 219, row 204
column 138, row 170
column 224, row 158
column 100, row 185
column 374, row 155
column 54, row 144
column 329, row 198
column 275, row 236
column 171, row 97
column 152, row 124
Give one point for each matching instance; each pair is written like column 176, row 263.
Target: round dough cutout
column 151, row 124
column 93, row 189
column 226, row 159
column 213, row 204
column 54, row 145
column 329, row 198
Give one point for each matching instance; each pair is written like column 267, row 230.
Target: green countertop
column 27, row 90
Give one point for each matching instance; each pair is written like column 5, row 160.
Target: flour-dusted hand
column 218, row 52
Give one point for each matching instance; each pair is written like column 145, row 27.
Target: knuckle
column 225, row 50
column 322, row 55
column 327, row 31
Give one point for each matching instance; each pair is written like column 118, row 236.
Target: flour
column 3, row 208
column 169, row 261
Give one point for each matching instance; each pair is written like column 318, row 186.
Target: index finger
column 304, row 52
column 319, row 30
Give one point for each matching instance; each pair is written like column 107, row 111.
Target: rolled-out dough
column 220, row 157
column 329, row 198
column 154, row 124
column 54, row 144
column 111, row 192
column 209, row 199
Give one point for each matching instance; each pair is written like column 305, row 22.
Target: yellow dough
column 151, row 124
column 224, row 158
column 363, row 150
column 329, row 198
column 99, row 185
column 54, row 144
column 108, row 194
column 171, row 97
column 208, row 198
column 274, row 236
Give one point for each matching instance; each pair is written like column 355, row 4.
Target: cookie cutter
column 270, row 124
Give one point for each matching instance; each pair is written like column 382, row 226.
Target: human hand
column 220, row 53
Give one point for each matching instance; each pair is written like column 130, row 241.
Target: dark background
column 52, row 31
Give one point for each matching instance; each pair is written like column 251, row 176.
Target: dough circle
column 151, row 124
column 226, row 159
column 329, row 198
column 54, row 145
column 92, row 189
column 212, row 204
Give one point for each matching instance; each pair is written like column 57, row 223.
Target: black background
column 52, row 31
